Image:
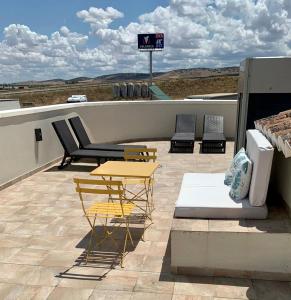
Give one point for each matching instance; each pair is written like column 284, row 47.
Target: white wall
column 105, row 122
column 7, row 104
column 241, row 254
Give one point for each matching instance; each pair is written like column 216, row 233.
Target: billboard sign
column 150, row 41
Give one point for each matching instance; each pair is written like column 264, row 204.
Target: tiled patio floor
column 43, row 236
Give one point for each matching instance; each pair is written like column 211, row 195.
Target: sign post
column 150, row 42
column 151, row 68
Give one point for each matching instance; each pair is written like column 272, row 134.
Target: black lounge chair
column 85, row 143
column 213, row 140
column 73, row 152
column 184, row 137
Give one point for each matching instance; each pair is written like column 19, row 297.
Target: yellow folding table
column 129, row 169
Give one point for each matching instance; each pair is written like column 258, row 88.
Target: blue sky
column 48, row 16
column 71, row 38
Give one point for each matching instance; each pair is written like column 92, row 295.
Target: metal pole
column 151, row 68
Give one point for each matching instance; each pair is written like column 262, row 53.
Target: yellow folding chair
column 143, row 155
column 117, row 208
column 140, row 154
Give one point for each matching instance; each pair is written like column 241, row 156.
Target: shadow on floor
column 73, row 168
column 104, row 256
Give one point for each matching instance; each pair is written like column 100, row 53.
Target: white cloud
column 99, row 18
column 197, row 33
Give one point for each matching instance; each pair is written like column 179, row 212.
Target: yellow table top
column 126, row 169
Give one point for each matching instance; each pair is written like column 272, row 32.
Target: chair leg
column 64, row 162
column 91, row 238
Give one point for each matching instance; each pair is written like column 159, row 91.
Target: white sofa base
column 205, row 196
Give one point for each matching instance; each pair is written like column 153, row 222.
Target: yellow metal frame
column 144, row 155
column 140, row 154
column 121, row 209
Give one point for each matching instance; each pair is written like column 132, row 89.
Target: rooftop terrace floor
column 43, row 237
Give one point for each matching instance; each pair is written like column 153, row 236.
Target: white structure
column 264, row 90
column 7, row 104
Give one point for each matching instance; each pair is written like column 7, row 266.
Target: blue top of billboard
column 150, row 41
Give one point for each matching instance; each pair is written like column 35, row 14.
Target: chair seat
column 111, row 147
column 106, row 210
column 213, row 137
column 185, row 136
column 97, row 153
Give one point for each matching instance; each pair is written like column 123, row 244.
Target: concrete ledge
column 233, row 248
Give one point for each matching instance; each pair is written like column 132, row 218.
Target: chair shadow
column 73, row 168
column 104, row 256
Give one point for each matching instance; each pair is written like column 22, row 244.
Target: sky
column 70, row 38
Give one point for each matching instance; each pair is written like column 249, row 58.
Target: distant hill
column 127, row 76
column 190, row 73
column 200, row 73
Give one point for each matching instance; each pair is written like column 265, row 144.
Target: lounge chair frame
column 84, row 140
column 184, row 137
column 213, row 140
column 72, row 152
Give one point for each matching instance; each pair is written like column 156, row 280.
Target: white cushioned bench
column 204, row 195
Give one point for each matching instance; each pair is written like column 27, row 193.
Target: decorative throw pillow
column 241, row 180
column 240, row 156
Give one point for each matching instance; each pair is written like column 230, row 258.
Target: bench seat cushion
column 204, row 195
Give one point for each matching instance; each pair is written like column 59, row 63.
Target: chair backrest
column 112, row 188
column 79, row 131
column 185, row 123
column 65, row 136
column 213, row 124
column 140, row 154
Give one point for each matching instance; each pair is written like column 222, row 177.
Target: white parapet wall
column 112, row 121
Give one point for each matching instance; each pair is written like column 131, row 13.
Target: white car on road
column 77, row 98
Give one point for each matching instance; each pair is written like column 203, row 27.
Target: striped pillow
column 240, row 184
column 235, row 162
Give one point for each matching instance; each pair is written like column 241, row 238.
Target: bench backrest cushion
column 260, row 152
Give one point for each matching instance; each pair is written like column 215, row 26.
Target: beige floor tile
column 156, row 264
column 27, row 256
column 110, row 295
column 57, row 258
column 12, row 291
column 14, row 241
column 234, row 288
column 118, row 280
column 12, row 273
column 31, row 229
column 70, row 294
column 150, row 296
column 44, row 276
column 154, row 283
column 8, row 227
column 6, row 253
column 189, row 297
column 195, row 286
column 82, row 277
